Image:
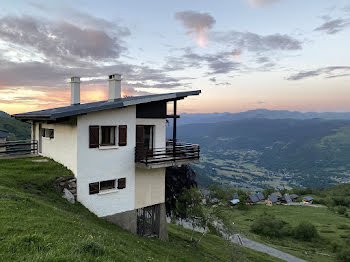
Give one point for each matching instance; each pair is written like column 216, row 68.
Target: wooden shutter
column 94, row 134
column 121, row 183
column 94, row 188
column 122, row 135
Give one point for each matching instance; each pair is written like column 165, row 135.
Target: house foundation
column 146, row 222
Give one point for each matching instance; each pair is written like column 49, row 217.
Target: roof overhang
column 80, row 109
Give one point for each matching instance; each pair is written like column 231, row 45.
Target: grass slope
column 18, row 130
column 37, row 224
column 333, row 228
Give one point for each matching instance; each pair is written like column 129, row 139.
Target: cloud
column 260, row 3
column 257, row 43
column 62, row 41
column 218, row 63
column 333, row 26
column 327, row 72
column 197, row 24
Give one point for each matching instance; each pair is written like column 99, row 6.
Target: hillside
column 258, row 114
column 270, row 152
column 37, row 224
column 18, row 130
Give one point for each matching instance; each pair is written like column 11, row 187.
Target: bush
column 343, row 255
column 270, row 226
column 341, row 210
column 305, row 231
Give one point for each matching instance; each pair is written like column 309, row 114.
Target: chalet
column 271, row 200
column 252, row 199
column 286, row 199
column 278, row 195
column 118, row 152
column 294, row 197
column 308, row 199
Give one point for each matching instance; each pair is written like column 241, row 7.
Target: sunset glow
column 242, row 54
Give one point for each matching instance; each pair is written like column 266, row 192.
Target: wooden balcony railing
column 182, row 152
column 18, row 148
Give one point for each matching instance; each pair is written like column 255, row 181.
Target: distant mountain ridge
column 259, row 114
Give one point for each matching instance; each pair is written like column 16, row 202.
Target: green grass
column 332, row 228
column 37, row 224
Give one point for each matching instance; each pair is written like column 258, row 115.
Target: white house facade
column 118, row 152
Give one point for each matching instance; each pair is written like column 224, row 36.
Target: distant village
column 258, row 197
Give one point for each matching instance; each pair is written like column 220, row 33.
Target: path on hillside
column 265, row 249
column 243, row 241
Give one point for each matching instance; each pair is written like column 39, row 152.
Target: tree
column 177, row 179
column 189, row 207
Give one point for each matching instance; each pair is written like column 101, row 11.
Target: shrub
column 270, row 226
column 343, row 255
column 341, row 210
column 305, row 231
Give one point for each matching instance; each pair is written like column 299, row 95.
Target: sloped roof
column 4, row 133
column 254, row 198
column 260, row 196
column 273, row 198
column 277, row 194
column 308, row 198
column 234, row 201
column 60, row 112
column 294, row 196
column 287, row 198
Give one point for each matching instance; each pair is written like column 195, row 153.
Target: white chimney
column 75, row 90
column 114, row 90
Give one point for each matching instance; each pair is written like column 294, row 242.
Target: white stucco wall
column 149, row 187
column 95, row 164
column 63, row 147
column 150, row 183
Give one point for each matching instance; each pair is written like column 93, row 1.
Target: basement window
column 108, row 184
column 107, row 135
column 94, row 188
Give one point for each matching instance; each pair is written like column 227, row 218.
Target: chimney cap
column 75, row 79
column 115, row 77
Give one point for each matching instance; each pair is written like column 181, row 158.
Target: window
column 108, row 184
column 121, row 183
column 107, row 135
column 46, row 132
column 94, row 188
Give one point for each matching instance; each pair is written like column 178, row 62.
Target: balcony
column 181, row 153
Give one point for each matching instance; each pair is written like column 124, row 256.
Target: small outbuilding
column 234, row 202
column 308, row 199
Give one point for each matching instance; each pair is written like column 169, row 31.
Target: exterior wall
column 99, row 164
column 159, row 130
column 149, row 187
column 150, row 183
column 63, row 147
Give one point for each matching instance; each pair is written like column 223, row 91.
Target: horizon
column 243, row 55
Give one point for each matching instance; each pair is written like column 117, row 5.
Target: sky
column 242, row 54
